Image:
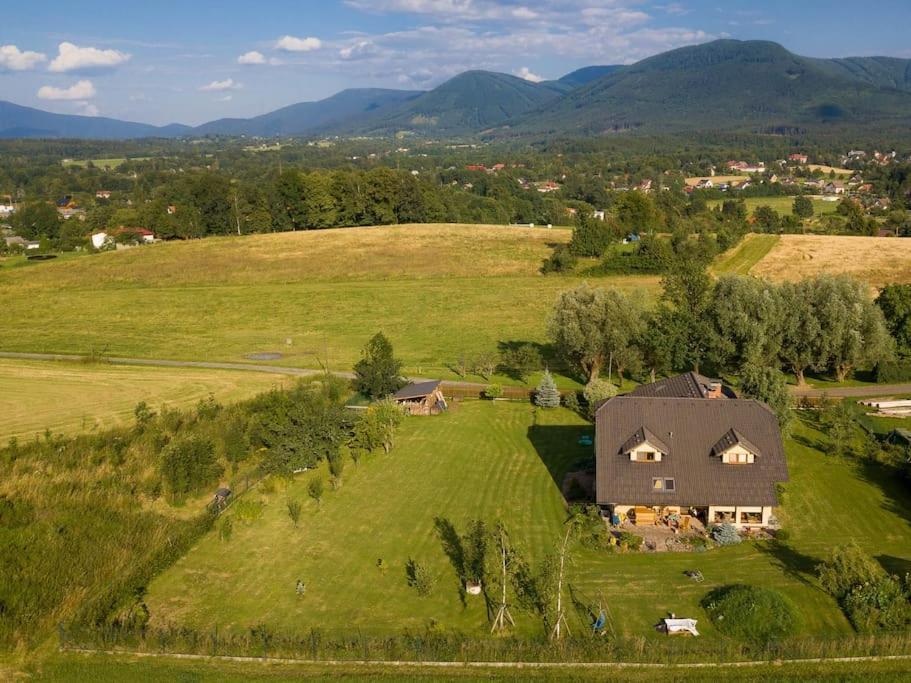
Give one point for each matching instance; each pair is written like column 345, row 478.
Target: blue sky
column 192, row 61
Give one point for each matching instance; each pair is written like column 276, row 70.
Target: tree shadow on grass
column 807, row 442
column 893, row 484
column 792, row 562
column 559, row 449
column 896, row 566
column 452, row 547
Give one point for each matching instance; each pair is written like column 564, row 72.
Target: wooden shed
column 421, row 398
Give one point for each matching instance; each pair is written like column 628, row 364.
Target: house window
column 663, row 484
column 647, row 456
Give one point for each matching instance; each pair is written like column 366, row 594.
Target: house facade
column 686, row 445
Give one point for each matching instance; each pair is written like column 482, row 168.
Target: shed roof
column 416, row 390
column 692, row 428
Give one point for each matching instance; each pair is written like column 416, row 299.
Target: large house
column 687, row 445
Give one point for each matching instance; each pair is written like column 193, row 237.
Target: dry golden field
column 876, row 260
column 692, row 182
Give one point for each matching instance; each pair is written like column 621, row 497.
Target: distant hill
column 470, row 102
column 17, row 121
column 725, row 84
column 587, row 74
column 306, row 118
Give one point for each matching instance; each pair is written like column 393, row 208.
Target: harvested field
column 876, row 260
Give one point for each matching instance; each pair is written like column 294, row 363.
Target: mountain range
column 721, row 85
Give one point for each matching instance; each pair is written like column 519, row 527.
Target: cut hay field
column 436, row 290
column 876, row 260
column 503, row 461
column 841, row 172
column 82, row 397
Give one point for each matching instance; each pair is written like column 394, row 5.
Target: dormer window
column 734, row 449
column 643, row 446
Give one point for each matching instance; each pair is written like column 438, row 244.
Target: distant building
column 103, row 194
column 798, row 158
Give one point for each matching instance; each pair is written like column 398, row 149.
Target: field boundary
column 436, row 664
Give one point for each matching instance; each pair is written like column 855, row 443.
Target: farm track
column 808, row 391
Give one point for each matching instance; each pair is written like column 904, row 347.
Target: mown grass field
column 437, row 291
column 783, row 205
column 106, row 164
column 741, row 259
column 498, row 461
column 81, row 397
column 77, row 668
column 876, row 260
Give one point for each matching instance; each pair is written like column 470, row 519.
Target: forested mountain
column 722, row 85
column 306, row 118
column 725, row 84
column 470, row 102
column 25, row 122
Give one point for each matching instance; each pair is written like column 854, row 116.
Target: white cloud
column 14, row 59
column 528, row 75
column 88, row 109
column 252, row 57
column 218, row 86
column 74, row 58
column 82, row 90
column 292, row 44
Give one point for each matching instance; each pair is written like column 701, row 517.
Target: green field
column 740, row 259
column 106, row 164
column 500, row 461
column 80, row 397
column 78, row 668
column 436, row 291
column 783, row 205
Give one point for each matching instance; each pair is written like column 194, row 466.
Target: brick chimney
column 714, row 390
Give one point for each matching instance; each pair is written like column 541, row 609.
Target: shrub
column 547, row 395
column 596, row 391
column 315, row 489
column 629, row 541
column 521, row 360
column 758, row 615
column 881, row 604
column 188, row 465
column 493, row 391
column 248, row 510
column 561, row 261
column 571, row 401
column 891, row 371
column 725, row 534
column 294, row 511
column 419, row 577
column 845, row 568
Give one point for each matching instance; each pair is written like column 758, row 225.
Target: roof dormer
column 734, row 449
column 643, row 446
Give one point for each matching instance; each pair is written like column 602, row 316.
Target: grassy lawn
column 437, row 292
column 105, row 164
column 103, row 668
column 75, row 397
column 740, row 259
column 783, row 205
column 492, row 461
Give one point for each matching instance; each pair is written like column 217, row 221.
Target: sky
column 164, row 61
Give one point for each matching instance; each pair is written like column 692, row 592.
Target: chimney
column 714, row 390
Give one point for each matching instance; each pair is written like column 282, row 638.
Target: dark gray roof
column 687, row 385
column 731, row 438
column 416, row 390
column 642, row 434
column 691, row 427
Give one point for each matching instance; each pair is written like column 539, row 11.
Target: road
column 808, row 391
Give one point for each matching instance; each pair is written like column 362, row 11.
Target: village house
column 103, row 194
column 798, row 158
column 548, row 186
column 705, row 184
column 744, row 167
column 421, row 398
column 687, row 446
column 834, row 187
